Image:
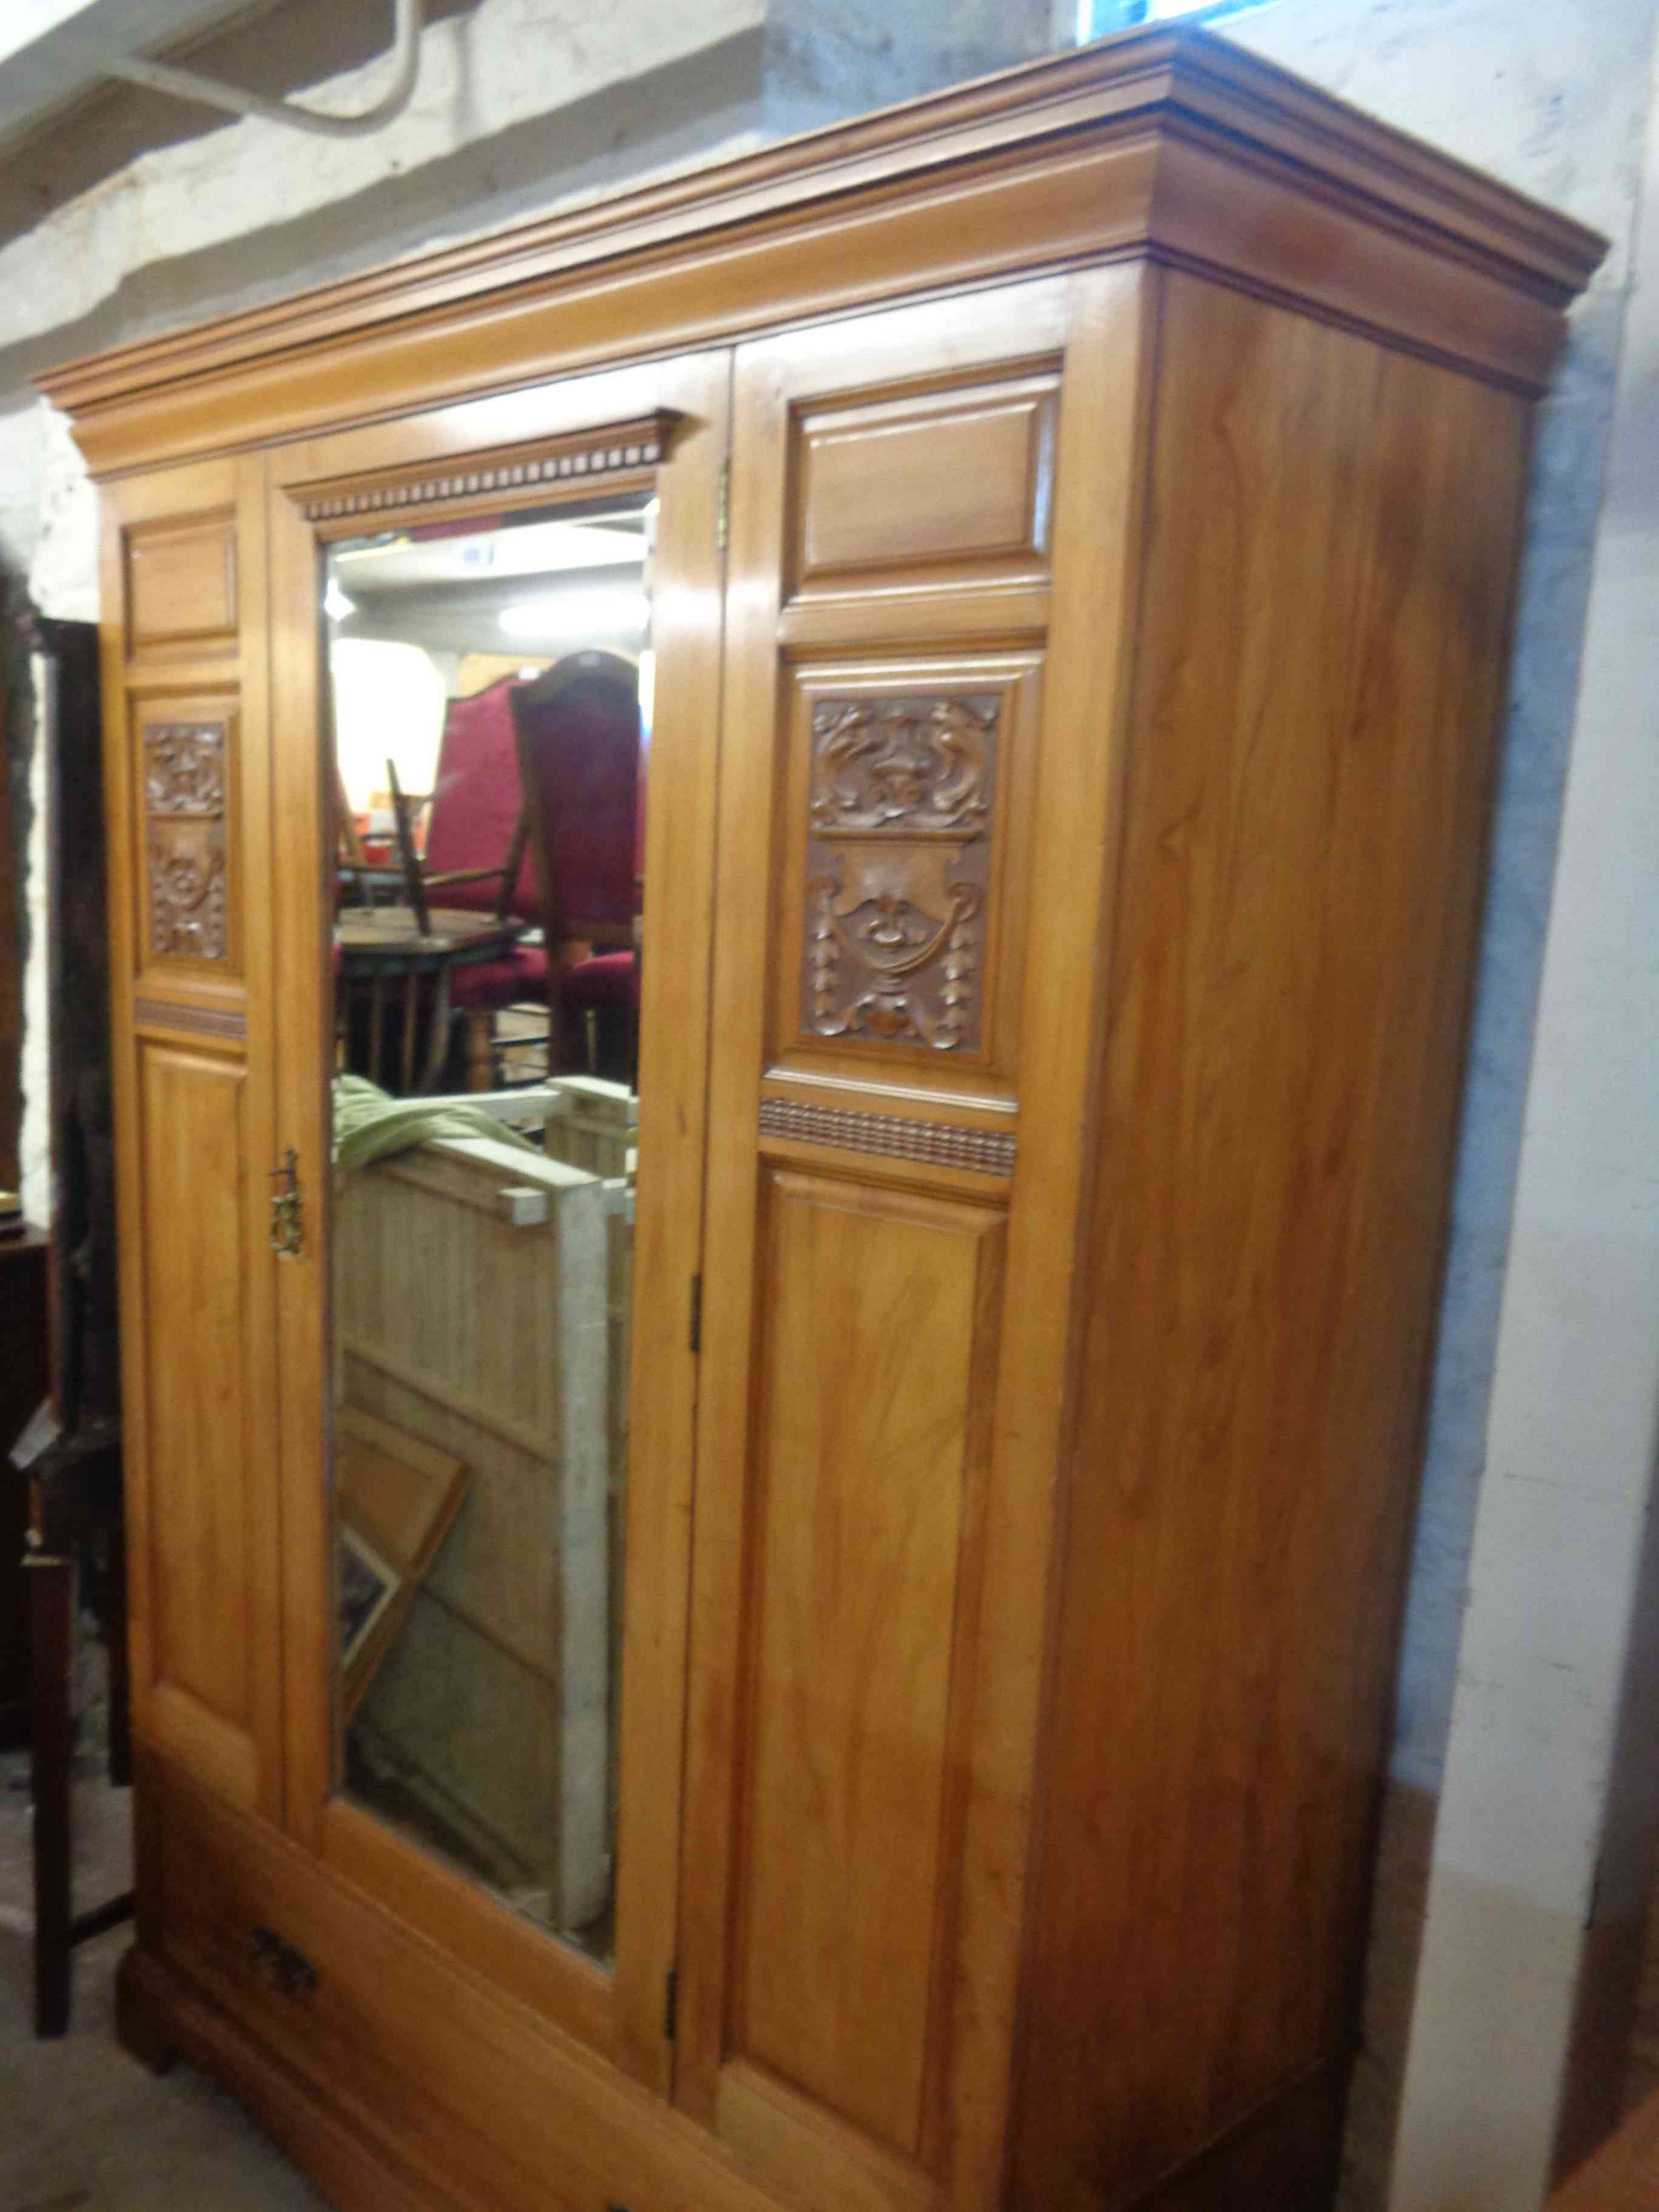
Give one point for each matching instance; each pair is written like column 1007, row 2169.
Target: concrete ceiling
column 65, row 127
column 53, row 52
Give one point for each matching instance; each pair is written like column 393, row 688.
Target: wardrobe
column 1083, row 511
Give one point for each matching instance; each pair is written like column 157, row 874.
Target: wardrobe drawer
column 413, row 2050
column 219, row 1917
column 295, row 1961
column 230, row 1904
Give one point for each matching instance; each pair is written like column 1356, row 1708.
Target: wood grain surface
column 866, row 1501
column 193, row 1146
column 1334, row 530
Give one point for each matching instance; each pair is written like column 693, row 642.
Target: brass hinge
column 288, row 1232
column 723, row 507
column 696, row 1314
column 670, row 2005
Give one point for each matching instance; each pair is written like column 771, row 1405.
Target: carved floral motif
column 898, row 868
column 184, row 817
column 904, row 764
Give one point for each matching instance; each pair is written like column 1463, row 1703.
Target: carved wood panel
column 184, row 768
column 901, row 812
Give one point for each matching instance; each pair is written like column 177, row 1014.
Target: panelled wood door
column 187, row 773
column 661, row 429
column 909, row 750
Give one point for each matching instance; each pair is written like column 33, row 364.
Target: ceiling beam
column 53, row 52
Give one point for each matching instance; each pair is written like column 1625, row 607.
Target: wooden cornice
column 1169, row 142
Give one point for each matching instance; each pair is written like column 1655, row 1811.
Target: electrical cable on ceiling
column 186, row 84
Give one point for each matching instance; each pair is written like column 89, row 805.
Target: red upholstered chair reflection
column 478, row 858
column 579, row 735
column 477, row 851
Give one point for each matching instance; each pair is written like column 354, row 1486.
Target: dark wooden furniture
column 23, row 1378
column 76, row 1516
column 74, row 1487
column 1624, row 2174
column 22, row 1269
column 12, row 841
column 1070, row 764
column 86, row 1307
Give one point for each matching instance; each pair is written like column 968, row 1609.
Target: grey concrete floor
column 83, row 2128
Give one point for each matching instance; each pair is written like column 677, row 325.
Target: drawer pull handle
column 286, row 1969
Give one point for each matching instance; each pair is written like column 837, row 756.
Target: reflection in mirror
column 491, row 703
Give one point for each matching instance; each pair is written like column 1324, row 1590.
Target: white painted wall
column 388, row 699
column 1574, row 1423
column 28, row 20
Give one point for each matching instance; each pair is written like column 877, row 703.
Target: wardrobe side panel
column 1334, row 530
column 185, row 734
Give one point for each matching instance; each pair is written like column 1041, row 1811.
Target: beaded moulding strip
column 595, row 453
column 892, row 1136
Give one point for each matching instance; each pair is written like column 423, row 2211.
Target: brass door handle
column 287, row 1218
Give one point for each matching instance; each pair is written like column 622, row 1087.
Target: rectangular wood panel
column 194, row 1258
column 935, row 480
column 181, row 587
column 874, row 1401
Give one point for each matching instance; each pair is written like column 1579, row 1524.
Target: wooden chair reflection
column 452, row 947
column 477, row 835
column 579, row 757
column 361, row 879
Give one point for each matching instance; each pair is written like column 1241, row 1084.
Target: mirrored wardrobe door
column 498, row 690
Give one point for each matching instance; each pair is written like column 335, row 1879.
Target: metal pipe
column 185, row 84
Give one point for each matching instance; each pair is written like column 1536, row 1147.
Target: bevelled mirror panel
column 489, row 736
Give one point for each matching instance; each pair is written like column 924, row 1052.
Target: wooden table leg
column 50, row 1585
column 113, row 1610
column 411, row 1022
column 437, row 1048
column 480, row 1049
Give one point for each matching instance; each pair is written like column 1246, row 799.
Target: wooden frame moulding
column 500, row 455
column 1168, row 143
column 210, row 1029
column 1105, row 322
